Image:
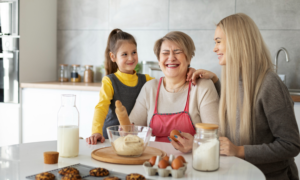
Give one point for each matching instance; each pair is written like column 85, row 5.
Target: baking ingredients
column 176, row 164
column 173, row 133
column 88, row 74
column 152, row 160
column 50, row 157
column 68, row 141
column 181, row 158
column 166, row 158
column 163, row 164
column 206, row 156
column 130, row 145
column 75, row 77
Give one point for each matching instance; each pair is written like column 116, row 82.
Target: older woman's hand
column 229, row 149
column 184, row 144
column 202, row 73
column 94, row 138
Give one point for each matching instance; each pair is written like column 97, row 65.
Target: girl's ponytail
column 112, row 46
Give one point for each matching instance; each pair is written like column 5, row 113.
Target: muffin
column 71, row 177
column 99, row 172
column 45, row 176
column 112, row 178
column 68, row 170
column 135, row 176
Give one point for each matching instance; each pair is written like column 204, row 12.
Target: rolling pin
column 122, row 115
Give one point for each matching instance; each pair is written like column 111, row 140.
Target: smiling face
column 220, row 47
column 172, row 60
column 126, row 57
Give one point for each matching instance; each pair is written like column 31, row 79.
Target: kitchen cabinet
column 40, row 108
column 9, row 124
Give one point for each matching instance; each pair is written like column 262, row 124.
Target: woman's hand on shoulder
column 94, row 138
column 229, row 149
column 190, row 73
column 204, row 74
column 185, row 143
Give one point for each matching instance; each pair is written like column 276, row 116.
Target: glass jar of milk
column 68, row 127
column 206, row 155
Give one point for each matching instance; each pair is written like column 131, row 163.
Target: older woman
column 171, row 102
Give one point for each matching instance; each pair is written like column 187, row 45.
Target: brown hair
column 183, row 40
column 114, row 41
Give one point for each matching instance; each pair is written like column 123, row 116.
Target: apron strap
column 188, row 99
column 155, row 110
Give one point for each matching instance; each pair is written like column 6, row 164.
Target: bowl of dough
column 129, row 140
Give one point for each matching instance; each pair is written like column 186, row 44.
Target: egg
column 181, row 158
column 166, row 158
column 176, row 164
column 163, row 164
column 173, row 133
column 152, row 160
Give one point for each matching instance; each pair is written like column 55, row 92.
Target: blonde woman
column 257, row 120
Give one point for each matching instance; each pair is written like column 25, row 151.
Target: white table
column 19, row 161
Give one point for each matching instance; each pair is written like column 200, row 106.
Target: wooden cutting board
column 109, row 155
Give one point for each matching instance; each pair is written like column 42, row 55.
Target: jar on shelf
column 88, row 74
column 63, row 73
column 68, row 127
column 206, row 153
column 75, row 77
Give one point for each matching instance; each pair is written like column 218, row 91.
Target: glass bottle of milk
column 68, row 127
column 206, row 154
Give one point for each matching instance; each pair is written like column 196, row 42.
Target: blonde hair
column 114, row 41
column 183, row 40
column 247, row 58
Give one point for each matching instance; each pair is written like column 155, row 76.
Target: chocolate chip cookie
column 135, row 176
column 68, row 170
column 71, row 177
column 99, row 172
column 112, row 178
column 45, row 176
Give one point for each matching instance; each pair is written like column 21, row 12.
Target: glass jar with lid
column 206, row 148
column 63, row 73
column 88, row 74
column 68, row 127
column 75, row 77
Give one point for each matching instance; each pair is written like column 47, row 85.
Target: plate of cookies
column 83, row 172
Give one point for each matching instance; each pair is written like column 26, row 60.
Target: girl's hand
column 229, row 149
column 94, row 138
column 190, row 74
column 202, row 73
column 184, row 144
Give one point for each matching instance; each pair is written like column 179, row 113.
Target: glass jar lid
column 207, row 126
column 75, row 65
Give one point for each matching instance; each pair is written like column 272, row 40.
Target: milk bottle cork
column 122, row 115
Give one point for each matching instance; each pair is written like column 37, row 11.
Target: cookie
column 135, row 176
column 45, row 176
column 68, row 170
column 71, row 177
column 99, row 172
column 112, row 178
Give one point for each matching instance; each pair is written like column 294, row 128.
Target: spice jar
column 88, row 74
column 75, row 77
column 206, row 155
column 63, row 73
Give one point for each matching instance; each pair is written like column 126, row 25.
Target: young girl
column 121, row 83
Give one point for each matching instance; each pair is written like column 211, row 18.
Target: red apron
column 163, row 123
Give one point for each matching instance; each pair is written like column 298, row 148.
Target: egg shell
column 176, row 164
column 163, row 164
column 173, row 133
column 181, row 158
column 152, row 160
column 166, row 158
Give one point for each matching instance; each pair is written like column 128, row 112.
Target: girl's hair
column 247, row 59
column 183, row 40
column 115, row 39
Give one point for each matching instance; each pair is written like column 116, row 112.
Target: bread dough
column 130, row 145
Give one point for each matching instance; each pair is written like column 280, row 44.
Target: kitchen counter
column 19, row 161
column 64, row 85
